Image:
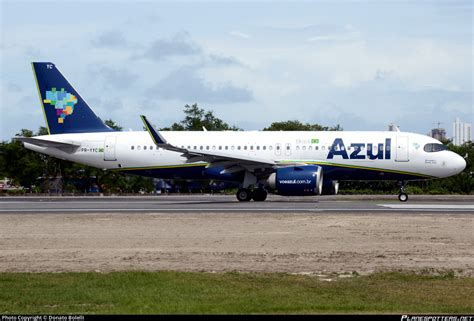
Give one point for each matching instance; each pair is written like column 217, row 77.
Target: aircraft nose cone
column 459, row 164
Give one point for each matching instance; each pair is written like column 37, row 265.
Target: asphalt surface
column 324, row 236
column 228, row 204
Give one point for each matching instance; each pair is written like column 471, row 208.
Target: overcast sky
column 359, row 64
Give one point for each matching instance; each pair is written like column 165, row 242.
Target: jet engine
column 296, row 180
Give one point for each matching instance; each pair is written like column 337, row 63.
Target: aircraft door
column 109, row 148
column 287, row 149
column 402, row 149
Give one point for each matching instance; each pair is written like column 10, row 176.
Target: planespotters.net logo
column 437, row 318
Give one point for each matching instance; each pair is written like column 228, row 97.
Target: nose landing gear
column 402, row 196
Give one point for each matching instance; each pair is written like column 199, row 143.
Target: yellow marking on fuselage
column 159, row 167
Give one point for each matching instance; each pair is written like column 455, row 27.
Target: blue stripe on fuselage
column 330, row 172
column 185, row 172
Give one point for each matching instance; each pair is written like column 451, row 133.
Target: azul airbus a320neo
column 295, row 163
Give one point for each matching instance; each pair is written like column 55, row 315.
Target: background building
column 461, row 132
column 438, row 133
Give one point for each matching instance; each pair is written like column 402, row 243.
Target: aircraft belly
column 191, row 171
column 354, row 172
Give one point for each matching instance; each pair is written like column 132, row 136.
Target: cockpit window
column 431, row 148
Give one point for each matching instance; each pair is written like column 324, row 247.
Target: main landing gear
column 402, row 195
column 258, row 194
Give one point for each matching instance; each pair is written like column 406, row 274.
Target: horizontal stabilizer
column 46, row 143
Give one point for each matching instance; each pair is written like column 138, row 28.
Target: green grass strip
column 201, row 293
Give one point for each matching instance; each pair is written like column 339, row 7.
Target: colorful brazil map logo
column 62, row 101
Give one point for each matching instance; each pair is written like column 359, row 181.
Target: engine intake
column 296, row 180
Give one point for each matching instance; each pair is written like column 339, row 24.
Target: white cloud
column 322, row 38
column 180, row 44
column 239, row 34
column 111, row 39
column 186, row 85
column 360, row 64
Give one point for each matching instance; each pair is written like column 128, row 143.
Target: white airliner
column 286, row 163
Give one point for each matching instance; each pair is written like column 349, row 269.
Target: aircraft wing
column 46, row 143
column 231, row 163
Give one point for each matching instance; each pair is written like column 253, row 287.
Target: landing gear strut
column 258, row 194
column 402, row 195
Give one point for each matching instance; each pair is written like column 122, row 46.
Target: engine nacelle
column 330, row 187
column 296, row 180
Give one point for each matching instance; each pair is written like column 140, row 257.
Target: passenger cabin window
column 151, row 147
column 144, row 147
column 133, row 147
column 431, row 148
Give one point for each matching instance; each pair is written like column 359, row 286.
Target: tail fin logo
column 62, row 101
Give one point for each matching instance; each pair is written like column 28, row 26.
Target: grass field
column 179, row 292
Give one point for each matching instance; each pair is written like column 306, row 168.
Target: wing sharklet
column 158, row 139
column 209, row 157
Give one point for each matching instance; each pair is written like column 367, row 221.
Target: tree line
column 39, row 173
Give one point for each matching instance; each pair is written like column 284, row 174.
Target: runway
column 322, row 236
column 229, row 204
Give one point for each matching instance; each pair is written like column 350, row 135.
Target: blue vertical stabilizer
column 64, row 109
